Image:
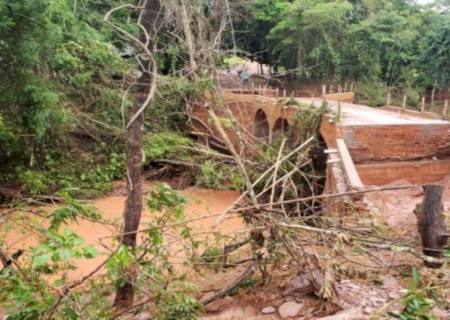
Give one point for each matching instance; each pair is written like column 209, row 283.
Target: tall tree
column 143, row 95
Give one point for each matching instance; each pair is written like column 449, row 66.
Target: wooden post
column 431, row 225
column 278, row 92
column 345, row 86
column 331, row 88
column 284, row 93
column 433, row 93
column 324, row 89
column 445, row 110
column 404, row 102
column 352, row 86
column 422, row 107
column 388, row 98
column 339, row 111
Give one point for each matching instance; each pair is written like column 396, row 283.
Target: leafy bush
column 219, row 176
column 36, row 183
column 412, row 97
column 177, row 303
column 372, row 93
column 232, row 61
column 78, row 179
column 310, row 118
column 164, row 145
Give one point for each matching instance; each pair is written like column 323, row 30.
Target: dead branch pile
column 283, row 202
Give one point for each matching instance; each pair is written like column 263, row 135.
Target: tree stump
column 431, row 224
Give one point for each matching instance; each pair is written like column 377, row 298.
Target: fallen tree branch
column 223, row 292
column 323, row 196
column 261, row 177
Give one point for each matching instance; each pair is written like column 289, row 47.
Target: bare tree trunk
column 134, row 203
column 431, row 224
column 32, row 151
column 188, row 37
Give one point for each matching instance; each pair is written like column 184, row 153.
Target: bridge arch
column 280, row 128
column 261, row 126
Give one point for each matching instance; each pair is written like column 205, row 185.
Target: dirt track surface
column 355, row 114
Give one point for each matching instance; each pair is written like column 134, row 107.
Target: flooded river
column 200, row 203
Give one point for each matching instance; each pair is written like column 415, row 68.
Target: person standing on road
column 245, row 75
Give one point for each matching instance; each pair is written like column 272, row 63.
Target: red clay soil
column 396, row 207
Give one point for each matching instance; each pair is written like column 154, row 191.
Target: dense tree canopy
column 398, row 43
column 53, row 65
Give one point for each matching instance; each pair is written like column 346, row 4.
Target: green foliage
column 398, row 43
column 78, row 179
column 164, row 145
column 219, row 176
column 417, row 305
column 72, row 210
column 309, row 119
column 56, row 67
column 176, row 302
column 173, row 294
column 210, row 176
column 447, row 253
column 59, row 250
column 163, row 197
column 435, row 50
column 168, row 110
column 119, row 262
column 212, row 257
column 4, row 134
column 33, row 292
column 99, row 176
column 371, row 93
column 232, row 61
column 27, row 293
column 412, row 97
column 36, row 182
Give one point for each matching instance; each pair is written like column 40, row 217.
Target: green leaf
column 41, row 260
column 415, row 277
column 58, row 282
column 90, row 252
column 64, row 255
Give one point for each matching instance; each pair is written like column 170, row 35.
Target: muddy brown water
column 200, row 203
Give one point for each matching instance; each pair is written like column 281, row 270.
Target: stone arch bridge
column 366, row 146
column 257, row 117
